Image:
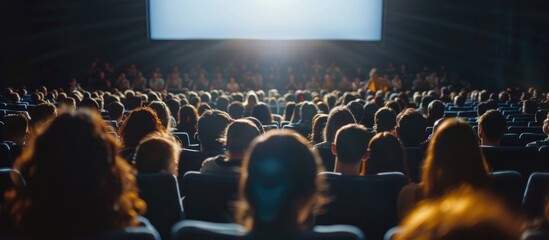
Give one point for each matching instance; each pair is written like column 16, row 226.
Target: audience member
column 544, row 142
column 411, row 128
column 139, row 123
column 350, row 148
column 385, row 154
column 385, row 120
column 491, row 128
column 157, row 153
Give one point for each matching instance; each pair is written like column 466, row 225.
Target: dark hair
column 263, row 113
column 156, row 153
column 288, row 111
column 222, row 103
column 339, row 117
column 357, row 108
column 411, row 128
column 15, row 127
column 211, row 126
column 385, row 120
column 63, row 176
column 89, row 103
column 296, row 115
column 493, row 125
column 394, row 105
column 239, row 135
column 42, row 113
column 529, row 106
column 203, row 107
column 163, row 113
column 284, row 161
column 308, row 111
column 139, row 123
column 257, row 123
column 236, row 110
column 485, row 106
column 115, row 110
column 368, row 115
column 174, row 106
column 352, row 143
column 319, row 123
column 188, row 119
column 386, row 155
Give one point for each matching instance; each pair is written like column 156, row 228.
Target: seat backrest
column 1, row 126
column 535, row 235
column 467, row 114
column 270, row 127
column 183, row 137
column 535, row 194
column 526, row 138
column 414, row 161
column 199, row 230
column 543, row 159
column 367, row 202
column 10, row 178
column 509, row 185
column 519, row 130
column 129, row 233
column 5, row 156
column 191, row 160
column 161, row 193
column 210, row 197
column 520, row 159
column 510, row 140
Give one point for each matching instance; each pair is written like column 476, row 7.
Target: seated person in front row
column 16, row 129
column 238, row 137
column 546, row 131
column 491, row 128
column 351, row 148
column 157, row 153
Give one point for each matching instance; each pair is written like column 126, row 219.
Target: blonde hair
column 157, row 152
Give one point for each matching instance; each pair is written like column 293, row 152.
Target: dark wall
column 493, row 43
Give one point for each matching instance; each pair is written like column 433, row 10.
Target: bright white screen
column 266, row 19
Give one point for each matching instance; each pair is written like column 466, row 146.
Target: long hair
column 77, row 183
column 188, row 119
column 263, row 113
column 386, row 155
column 338, row 117
column 279, row 176
column 139, row 123
column 453, row 158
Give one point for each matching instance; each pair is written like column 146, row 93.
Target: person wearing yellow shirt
column 376, row 83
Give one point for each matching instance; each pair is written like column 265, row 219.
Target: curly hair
column 139, row 123
column 77, row 183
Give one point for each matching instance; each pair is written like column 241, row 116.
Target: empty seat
column 210, row 197
column 509, row 186
column 183, row 137
column 535, row 195
column 526, row 138
column 199, row 230
column 467, row 114
column 520, row 159
column 414, row 161
column 367, row 202
column 161, row 193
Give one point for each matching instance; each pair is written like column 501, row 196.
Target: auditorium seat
column 129, row 233
column 510, row 140
column 543, row 159
column 453, row 108
column 191, row 160
column 328, row 158
column 16, row 107
column 199, row 230
column 526, row 138
column 2, row 113
column 448, row 114
column 210, row 197
column 8, row 179
column 367, row 202
column 520, row 159
column 5, row 156
column 161, row 193
column 270, row 127
column 535, row 235
column 183, row 137
column 517, row 124
column 1, row 130
column 519, row 130
column 535, row 194
column 509, row 186
column 414, row 161
column 535, row 124
column 467, row 114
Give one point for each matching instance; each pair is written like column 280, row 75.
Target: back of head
column 308, row 111
column 394, row 105
column 263, row 113
column 369, row 114
column 352, row 143
column 139, row 123
column 453, row 158
column 188, row 117
column 288, row 111
column 157, row 153
column 459, row 101
column 338, row 117
column 16, row 127
column 210, row 128
column 174, row 106
column 484, row 107
column 163, row 113
column 279, row 183
column 386, row 155
column 42, row 113
column 411, row 128
column 385, row 120
column 239, row 135
column 529, row 107
column 425, row 101
column 435, row 110
column 236, row 110
column 492, row 126
column 465, row 213
column 115, row 110
column 319, row 123
column 74, row 163
column 89, row 103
